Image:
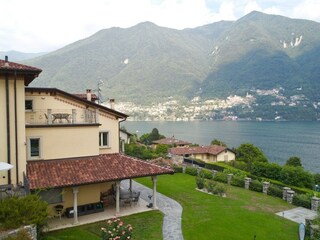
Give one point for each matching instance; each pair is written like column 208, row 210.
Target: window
column 52, row 195
column 104, row 139
column 34, row 147
column 28, row 105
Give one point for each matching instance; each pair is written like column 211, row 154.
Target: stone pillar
column 214, row 172
column 154, row 180
column 75, row 191
column 265, row 187
column 247, row 182
column 315, row 203
column 290, row 195
column 183, row 169
column 314, row 230
column 229, row 178
column 74, row 116
column 284, row 192
column 117, row 197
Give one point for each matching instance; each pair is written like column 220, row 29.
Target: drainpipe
column 8, row 122
column 16, row 126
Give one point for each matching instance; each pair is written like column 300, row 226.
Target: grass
column 147, row 225
column 243, row 214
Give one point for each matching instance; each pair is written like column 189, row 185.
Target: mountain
column 19, row 56
column 148, row 63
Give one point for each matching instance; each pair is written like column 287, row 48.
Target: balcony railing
column 61, row 116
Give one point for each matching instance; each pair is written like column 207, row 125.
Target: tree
column 218, row 142
column 148, row 138
column 249, row 154
column 294, row 161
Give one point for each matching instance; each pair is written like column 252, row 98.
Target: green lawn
column 243, row 214
column 147, row 225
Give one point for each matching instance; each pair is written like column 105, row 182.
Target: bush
column 219, row 189
column 200, row 182
column 275, row 191
column 21, row 235
column 235, row 172
column 302, row 200
column 210, row 185
column 177, row 169
column 191, row 171
column 16, row 212
column 237, row 181
column 296, row 176
column 115, row 229
column 255, row 185
column 267, row 170
column 220, row 177
column 206, row 174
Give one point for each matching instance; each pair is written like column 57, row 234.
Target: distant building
column 172, row 142
column 213, row 153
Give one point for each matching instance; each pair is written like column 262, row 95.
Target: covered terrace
column 75, row 182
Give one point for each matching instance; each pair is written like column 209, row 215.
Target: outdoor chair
column 135, row 200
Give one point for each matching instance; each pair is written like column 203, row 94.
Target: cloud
column 251, row 6
column 307, row 9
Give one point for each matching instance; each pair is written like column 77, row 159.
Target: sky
column 46, row 25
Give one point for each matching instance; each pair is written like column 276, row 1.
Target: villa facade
column 64, row 146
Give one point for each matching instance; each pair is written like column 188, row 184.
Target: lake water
column 278, row 140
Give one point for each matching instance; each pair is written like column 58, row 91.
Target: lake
column 278, row 140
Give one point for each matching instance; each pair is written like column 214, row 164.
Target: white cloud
column 45, row 25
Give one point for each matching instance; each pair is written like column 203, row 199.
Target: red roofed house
column 64, row 144
column 213, row 153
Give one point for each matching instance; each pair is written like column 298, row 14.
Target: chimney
column 88, row 91
column 112, row 103
column 6, row 63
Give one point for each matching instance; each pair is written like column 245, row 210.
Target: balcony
column 61, row 117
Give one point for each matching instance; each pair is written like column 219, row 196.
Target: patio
column 109, row 212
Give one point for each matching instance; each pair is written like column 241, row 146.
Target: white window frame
column 101, row 139
column 29, row 110
column 29, row 148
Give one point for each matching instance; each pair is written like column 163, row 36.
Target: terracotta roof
column 88, row 170
column 73, row 96
column 213, row 149
column 29, row 72
column 84, row 96
column 171, row 141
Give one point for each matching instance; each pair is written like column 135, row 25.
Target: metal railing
column 61, row 116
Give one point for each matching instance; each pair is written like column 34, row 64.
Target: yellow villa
column 63, row 144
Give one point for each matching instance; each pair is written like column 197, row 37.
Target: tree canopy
column 294, row 161
column 218, row 142
column 249, row 153
column 148, row 138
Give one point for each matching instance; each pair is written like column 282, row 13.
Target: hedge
column 191, row 171
column 206, row 174
column 256, row 186
column 177, row 169
column 301, row 200
column 220, row 177
column 237, row 181
column 275, row 191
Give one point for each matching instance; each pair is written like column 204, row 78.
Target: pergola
column 76, row 172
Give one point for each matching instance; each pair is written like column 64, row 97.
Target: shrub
column 191, row 171
column 275, row 191
column 16, row 212
column 235, row 172
column 255, row 185
column 219, row 189
column 115, row 229
column 206, row 174
column 21, row 235
column 200, row 182
column 210, row 185
column 302, row 200
column 220, row 177
column 296, row 176
column 237, row 181
column 177, row 169
column 265, row 169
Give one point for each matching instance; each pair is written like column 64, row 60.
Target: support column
column 284, row 192
column 154, row 180
column 315, row 203
column 290, row 195
column 75, row 191
column 117, row 197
